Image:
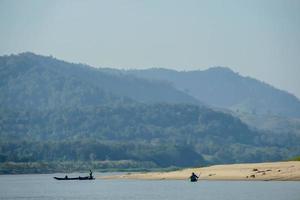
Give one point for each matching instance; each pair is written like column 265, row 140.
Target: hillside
column 38, row 82
column 221, row 87
column 273, row 123
column 57, row 112
column 167, row 135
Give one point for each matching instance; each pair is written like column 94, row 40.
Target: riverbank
column 281, row 171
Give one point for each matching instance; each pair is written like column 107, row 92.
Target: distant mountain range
column 38, row 82
column 52, row 110
column 223, row 88
column 217, row 87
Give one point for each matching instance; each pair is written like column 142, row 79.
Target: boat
column 75, row 178
column 194, row 179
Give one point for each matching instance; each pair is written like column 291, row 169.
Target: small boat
column 194, row 179
column 75, row 178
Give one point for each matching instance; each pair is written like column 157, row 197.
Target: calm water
column 45, row 187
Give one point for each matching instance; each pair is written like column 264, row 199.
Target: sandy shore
column 283, row 171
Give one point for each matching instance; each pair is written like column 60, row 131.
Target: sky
column 256, row 38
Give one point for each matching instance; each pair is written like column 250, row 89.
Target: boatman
column 91, row 174
column 194, row 177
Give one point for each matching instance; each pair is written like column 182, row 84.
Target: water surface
column 45, row 187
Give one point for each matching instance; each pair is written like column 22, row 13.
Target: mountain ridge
column 28, row 70
column 224, row 88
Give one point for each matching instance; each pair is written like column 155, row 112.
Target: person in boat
column 66, row 177
column 91, row 174
column 194, row 177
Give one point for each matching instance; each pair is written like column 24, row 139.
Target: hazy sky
column 256, row 38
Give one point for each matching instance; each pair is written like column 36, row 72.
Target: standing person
column 91, row 174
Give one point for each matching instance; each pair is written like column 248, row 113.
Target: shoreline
column 270, row 171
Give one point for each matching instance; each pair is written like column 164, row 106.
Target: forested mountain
column 38, row 82
column 167, row 135
column 224, row 88
column 54, row 111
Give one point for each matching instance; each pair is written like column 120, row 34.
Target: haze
column 255, row 38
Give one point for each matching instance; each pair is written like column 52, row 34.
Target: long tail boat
column 75, row 178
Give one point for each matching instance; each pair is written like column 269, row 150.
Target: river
column 43, row 186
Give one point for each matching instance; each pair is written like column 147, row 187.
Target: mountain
column 55, row 111
column 221, row 87
column 163, row 134
column 38, row 82
column 271, row 123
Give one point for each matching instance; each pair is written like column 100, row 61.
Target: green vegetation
column 77, row 166
column 165, row 135
column 297, row 158
column 272, row 123
column 60, row 117
column 28, row 81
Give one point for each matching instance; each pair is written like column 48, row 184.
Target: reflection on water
column 45, row 187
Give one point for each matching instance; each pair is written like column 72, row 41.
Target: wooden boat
column 75, row 178
column 194, row 179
